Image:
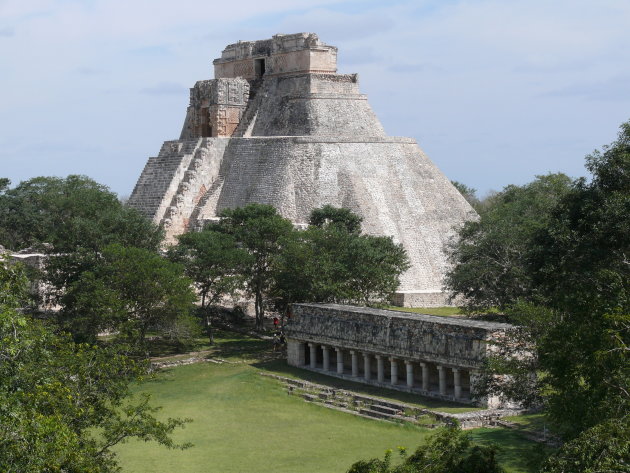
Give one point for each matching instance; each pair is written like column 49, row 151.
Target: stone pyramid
column 279, row 126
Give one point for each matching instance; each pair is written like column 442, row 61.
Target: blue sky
column 495, row 92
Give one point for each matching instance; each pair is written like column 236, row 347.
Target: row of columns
column 380, row 369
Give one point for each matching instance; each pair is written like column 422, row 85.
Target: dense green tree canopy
column 260, row 231
column 336, row 216
column 469, row 193
column 603, row 448
column 334, row 262
column 70, row 213
column 63, row 406
column 576, row 310
column 492, row 255
column 128, row 290
column 214, row 261
column 449, row 450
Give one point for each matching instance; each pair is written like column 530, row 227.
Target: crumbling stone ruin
column 433, row 356
column 278, row 125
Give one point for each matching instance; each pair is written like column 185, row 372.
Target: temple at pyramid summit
column 278, row 125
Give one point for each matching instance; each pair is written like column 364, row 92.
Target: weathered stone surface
column 298, row 136
column 424, row 354
column 448, row 341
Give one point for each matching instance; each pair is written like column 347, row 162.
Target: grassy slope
column 244, row 422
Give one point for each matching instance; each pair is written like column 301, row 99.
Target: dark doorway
column 206, row 128
column 307, row 355
column 259, row 67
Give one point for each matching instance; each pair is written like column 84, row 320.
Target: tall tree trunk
column 209, row 330
column 260, row 313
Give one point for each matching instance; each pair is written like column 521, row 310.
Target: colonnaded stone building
column 279, row 126
column 425, row 354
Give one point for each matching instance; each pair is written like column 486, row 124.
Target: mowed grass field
column 244, row 422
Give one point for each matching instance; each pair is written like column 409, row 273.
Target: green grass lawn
column 244, row 422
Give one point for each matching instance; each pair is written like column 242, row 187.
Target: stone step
column 385, row 409
column 375, row 414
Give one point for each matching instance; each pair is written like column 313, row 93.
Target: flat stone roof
column 395, row 314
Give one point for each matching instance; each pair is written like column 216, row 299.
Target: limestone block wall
column 216, row 107
column 443, row 340
column 298, row 174
column 308, row 105
column 200, row 179
column 161, row 177
column 282, row 54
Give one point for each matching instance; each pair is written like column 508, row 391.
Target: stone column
column 339, row 360
column 394, row 370
column 442, row 375
column 409, row 366
column 326, row 357
column 367, row 369
column 425, row 377
column 313, row 347
column 457, row 383
column 355, row 363
column 380, row 368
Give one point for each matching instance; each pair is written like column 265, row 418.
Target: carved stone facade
column 215, row 109
column 279, row 126
column 429, row 355
column 282, row 54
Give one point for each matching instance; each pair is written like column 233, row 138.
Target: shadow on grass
column 280, row 367
column 241, row 348
column 162, row 347
column 515, row 451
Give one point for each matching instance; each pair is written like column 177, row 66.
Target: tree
column 490, row 257
column 216, row 264
column 581, row 267
column 449, row 450
column 63, row 406
column 260, row 230
column 605, row 448
column 333, row 262
column 75, row 212
column 77, row 218
column 469, row 193
column 337, row 216
column 375, row 265
column 313, row 267
column 578, row 313
column 129, row 290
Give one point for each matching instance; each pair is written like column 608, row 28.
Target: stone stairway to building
column 390, row 411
